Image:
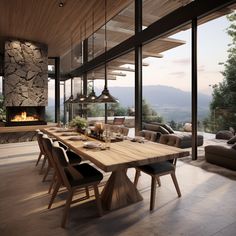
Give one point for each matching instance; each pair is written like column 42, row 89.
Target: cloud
column 178, row 73
column 182, row 61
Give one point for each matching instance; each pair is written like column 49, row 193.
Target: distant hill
column 170, row 102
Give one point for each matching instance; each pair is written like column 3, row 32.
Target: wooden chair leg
column 54, row 193
column 158, row 181
column 153, row 193
column 67, row 208
column 136, row 178
column 40, row 155
column 43, row 164
column 46, row 173
column 173, row 176
column 52, row 182
column 87, row 192
column 98, row 200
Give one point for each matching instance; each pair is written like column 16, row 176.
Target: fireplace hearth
column 25, row 115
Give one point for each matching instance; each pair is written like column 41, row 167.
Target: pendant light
column 92, row 96
column 80, row 98
column 106, row 97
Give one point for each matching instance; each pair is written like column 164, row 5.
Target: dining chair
column 42, row 151
column 47, row 146
column 155, row 171
column 73, row 178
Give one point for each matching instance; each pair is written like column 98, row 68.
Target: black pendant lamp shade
column 80, row 99
column 92, row 98
column 106, row 97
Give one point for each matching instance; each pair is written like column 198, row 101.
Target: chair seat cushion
column 157, row 168
column 73, row 157
column 89, row 175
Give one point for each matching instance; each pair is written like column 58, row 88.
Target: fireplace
column 25, row 115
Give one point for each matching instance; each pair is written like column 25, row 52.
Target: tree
column 223, row 105
column 149, row 114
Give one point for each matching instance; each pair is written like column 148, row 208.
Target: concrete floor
column 207, row 206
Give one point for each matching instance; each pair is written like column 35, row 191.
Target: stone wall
column 25, row 69
column 15, row 137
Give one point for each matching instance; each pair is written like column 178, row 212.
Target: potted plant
column 79, row 123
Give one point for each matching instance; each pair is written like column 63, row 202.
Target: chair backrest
column 47, row 146
column 119, row 121
column 124, row 131
column 61, row 161
column 39, row 139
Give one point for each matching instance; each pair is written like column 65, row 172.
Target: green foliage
column 115, row 109
column 149, row 114
column 223, row 105
column 79, row 122
column 95, row 110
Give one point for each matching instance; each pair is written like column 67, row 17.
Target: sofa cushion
column 163, row 130
column 167, row 127
column 232, row 140
column 152, row 127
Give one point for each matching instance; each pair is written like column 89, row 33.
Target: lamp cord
column 105, row 44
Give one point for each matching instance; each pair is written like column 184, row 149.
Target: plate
column 77, row 138
column 68, row 134
column 92, row 145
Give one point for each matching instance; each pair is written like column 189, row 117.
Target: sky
column 174, row 69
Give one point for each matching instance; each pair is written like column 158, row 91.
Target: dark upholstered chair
column 119, row 121
column 74, row 177
column 149, row 135
column 73, row 157
column 155, row 171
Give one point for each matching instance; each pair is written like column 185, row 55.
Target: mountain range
column 169, row 102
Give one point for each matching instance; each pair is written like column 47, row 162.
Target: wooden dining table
column 119, row 191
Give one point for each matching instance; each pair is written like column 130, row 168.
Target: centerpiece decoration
column 79, row 123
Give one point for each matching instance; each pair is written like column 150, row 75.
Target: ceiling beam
column 120, row 68
column 167, row 24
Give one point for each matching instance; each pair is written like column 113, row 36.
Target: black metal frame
column 57, row 89
column 194, row 89
column 176, row 19
column 138, row 68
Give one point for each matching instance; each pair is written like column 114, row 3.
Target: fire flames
column 23, row 117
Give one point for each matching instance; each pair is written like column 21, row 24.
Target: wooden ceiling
column 44, row 21
column 62, row 28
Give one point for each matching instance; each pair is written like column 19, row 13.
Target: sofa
column 166, row 135
column 221, row 155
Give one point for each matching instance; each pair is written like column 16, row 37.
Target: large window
column 216, row 73
column 167, row 79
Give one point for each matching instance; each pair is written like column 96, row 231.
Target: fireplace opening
column 25, row 115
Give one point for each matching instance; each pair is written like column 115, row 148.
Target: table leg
column 119, row 191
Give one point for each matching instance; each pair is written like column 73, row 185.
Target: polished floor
column 207, row 206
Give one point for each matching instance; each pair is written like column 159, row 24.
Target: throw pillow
column 232, row 140
column 234, row 146
column 167, row 127
column 151, row 127
column 163, row 130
